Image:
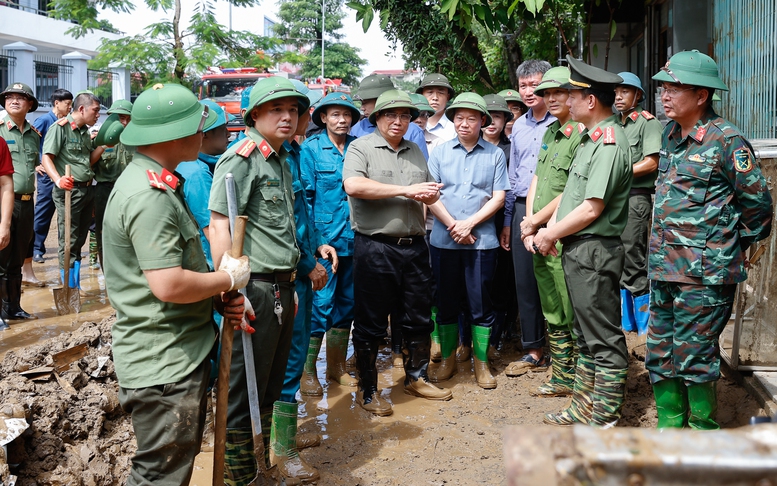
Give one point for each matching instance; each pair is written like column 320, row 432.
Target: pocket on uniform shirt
column 693, row 177
column 327, row 176
column 272, row 205
column 685, row 249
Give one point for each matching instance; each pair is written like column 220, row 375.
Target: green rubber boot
column 609, row 391
column 309, row 384
column 671, row 403
column 283, row 440
column 581, row 408
column 435, row 352
column 449, row 339
column 480, row 338
column 703, row 404
column 563, row 352
column 239, row 461
column 336, row 349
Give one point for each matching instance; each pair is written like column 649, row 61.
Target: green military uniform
column 71, row 145
column 24, row 145
column 161, row 350
column 593, row 260
column 263, row 187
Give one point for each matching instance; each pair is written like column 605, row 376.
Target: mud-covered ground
column 78, row 434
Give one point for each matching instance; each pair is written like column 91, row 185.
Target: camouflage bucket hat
column 511, row 95
column 165, row 112
column 494, row 102
column 421, row 103
column 470, row 101
column 373, row 86
column 336, row 99
column 110, row 131
column 273, row 88
column 692, row 68
column 120, row 107
column 436, row 79
column 19, row 88
column 553, row 78
column 393, row 98
column 222, row 117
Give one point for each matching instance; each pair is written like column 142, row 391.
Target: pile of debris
column 65, row 389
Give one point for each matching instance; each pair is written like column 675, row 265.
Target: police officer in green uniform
column 559, row 145
column 516, row 106
column 68, row 143
column 644, row 133
column 263, row 186
column 112, row 163
column 24, row 144
column 712, row 203
column 158, row 282
column 590, row 219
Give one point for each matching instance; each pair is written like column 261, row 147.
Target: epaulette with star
column 154, row 181
column 62, row 121
column 647, row 115
column 246, row 148
column 36, row 130
column 608, row 132
column 167, row 179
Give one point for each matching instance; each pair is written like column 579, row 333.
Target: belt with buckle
column 397, row 240
column 275, row 277
column 82, row 184
column 568, row 240
column 23, row 197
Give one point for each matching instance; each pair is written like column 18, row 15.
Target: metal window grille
column 7, row 64
column 51, row 74
column 101, row 84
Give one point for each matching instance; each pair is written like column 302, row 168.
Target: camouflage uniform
column 711, row 204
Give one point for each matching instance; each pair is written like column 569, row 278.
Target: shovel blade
column 264, row 476
column 67, row 300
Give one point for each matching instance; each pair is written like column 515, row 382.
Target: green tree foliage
column 301, row 26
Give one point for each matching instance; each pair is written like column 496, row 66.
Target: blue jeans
column 300, row 340
column 333, row 305
column 44, row 211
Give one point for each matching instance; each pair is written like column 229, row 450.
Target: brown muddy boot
column 398, row 360
column 463, row 353
column 283, row 444
column 308, row 440
column 367, row 395
column 309, row 385
column 350, row 363
column 449, row 337
column 483, row 376
column 416, row 363
column 336, row 349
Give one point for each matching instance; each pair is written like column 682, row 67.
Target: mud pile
column 78, row 435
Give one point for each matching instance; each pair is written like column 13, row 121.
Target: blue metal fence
column 745, row 45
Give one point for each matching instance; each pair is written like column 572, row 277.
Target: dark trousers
column 271, row 345
column 44, row 211
column 635, row 241
column 12, row 256
column 593, row 269
column 465, row 278
column 390, row 279
column 81, row 208
column 526, row 292
column 168, row 421
column 101, row 193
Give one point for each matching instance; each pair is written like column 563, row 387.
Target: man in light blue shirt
column 464, row 243
column 526, row 141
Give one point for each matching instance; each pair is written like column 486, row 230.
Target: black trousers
column 12, row 256
column 527, row 293
column 391, row 279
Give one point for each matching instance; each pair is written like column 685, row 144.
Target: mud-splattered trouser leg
column 168, row 421
column 685, row 323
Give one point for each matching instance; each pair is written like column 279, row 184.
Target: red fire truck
column 225, row 86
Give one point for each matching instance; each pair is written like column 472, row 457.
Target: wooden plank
column 63, row 359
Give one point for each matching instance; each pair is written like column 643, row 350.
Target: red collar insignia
column 609, row 135
column 9, row 124
column 153, row 180
column 73, row 125
column 634, row 115
column 699, row 135
column 596, row 134
column 169, row 179
column 568, row 131
column 265, row 149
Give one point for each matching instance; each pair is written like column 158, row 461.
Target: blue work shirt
column 308, row 238
column 469, row 180
column 322, row 178
column 444, row 129
column 526, row 141
column 198, row 179
column 42, row 124
column 240, row 136
column 414, row 134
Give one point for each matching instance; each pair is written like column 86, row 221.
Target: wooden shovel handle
column 238, row 236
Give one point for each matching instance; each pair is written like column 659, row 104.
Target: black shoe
column 38, row 258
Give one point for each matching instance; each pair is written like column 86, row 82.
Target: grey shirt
column 372, row 157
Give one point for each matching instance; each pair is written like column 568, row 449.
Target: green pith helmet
column 110, row 131
column 273, row 88
column 511, row 95
column 121, row 107
column 421, row 103
column 436, row 79
column 585, row 76
column 373, row 86
column 222, row 117
column 165, row 112
column 471, row 101
column 553, row 78
column 19, row 88
column 314, row 95
column 692, row 68
column 494, row 102
column 336, row 99
column 631, row 79
column 393, row 98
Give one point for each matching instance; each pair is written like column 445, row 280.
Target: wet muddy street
column 79, row 436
